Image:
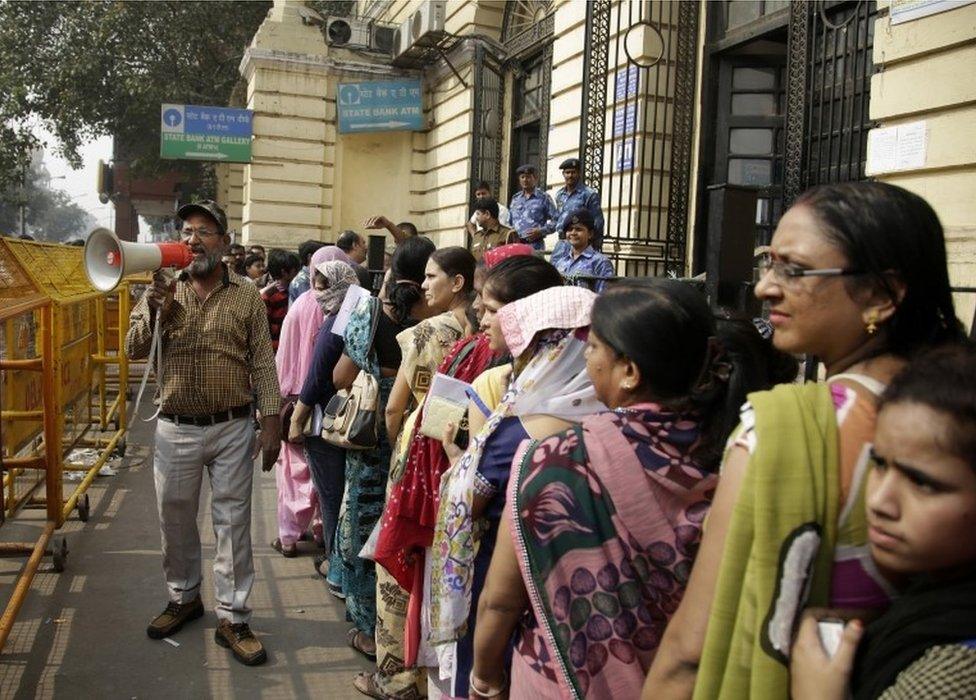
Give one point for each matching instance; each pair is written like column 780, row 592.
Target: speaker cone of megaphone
column 108, row 260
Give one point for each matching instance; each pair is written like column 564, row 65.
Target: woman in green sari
column 857, row 277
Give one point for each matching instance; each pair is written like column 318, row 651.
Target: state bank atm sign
column 379, row 105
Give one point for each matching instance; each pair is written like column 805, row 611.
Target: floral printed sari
column 423, row 348
column 606, row 519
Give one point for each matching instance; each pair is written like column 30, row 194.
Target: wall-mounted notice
column 625, row 82
column 893, row 148
column 624, row 119
column 623, row 154
column 908, row 10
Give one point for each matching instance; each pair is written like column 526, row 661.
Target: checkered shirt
column 945, row 672
column 214, row 352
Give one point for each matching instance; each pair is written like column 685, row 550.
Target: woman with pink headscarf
column 297, row 499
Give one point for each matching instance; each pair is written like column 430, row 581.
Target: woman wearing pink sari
column 297, row 500
column 603, row 520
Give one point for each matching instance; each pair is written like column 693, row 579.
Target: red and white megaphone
column 108, row 260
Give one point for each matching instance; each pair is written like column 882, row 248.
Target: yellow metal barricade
column 59, row 359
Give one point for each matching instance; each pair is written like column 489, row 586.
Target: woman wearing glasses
column 857, row 277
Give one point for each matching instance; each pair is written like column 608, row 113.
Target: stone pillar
column 287, row 186
column 230, row 194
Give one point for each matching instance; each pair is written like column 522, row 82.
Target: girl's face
column 813, row 315
column 607, row 371
column 921, row 498
column 578, row 236
column 439, row 287
column 489, row 322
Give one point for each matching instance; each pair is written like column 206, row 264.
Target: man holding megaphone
column 216, row 355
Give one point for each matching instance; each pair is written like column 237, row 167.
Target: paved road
column 81, row 633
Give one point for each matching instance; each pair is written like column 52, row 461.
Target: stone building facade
column 699, row 122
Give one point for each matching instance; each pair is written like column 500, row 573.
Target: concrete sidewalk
column 81, row 633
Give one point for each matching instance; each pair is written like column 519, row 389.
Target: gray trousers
column 181, row 454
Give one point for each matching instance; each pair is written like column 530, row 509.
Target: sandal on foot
column 336, row 592
column 366, row 684
column 354, row 638
column 285, row 550
column 317, row 562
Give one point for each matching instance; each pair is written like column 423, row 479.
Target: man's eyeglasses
column 787, row 272
column 200, row 232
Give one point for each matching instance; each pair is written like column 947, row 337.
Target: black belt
column 212, row 419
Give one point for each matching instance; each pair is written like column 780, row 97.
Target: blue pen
column 473, row 395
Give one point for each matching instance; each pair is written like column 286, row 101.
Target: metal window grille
column 830, row 69
column 838, row 93
column 489, row 105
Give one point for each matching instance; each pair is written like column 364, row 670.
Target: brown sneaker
column 239, row 639
column 173, row 618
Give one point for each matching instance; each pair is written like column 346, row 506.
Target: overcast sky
column 80, row 184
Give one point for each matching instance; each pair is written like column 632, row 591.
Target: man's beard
column 203, row 268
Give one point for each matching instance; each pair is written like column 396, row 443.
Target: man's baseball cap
column 207, row 207
column 570, row 163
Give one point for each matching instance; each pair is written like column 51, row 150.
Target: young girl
column 921, row 513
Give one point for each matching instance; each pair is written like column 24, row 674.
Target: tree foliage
column 87, row 69
column 332, row 8
column 49, row 213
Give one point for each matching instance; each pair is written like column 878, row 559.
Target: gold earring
column 872, row 324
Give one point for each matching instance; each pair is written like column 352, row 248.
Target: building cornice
column 257, row 57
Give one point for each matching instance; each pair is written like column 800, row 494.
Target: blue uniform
column 589, row 262
column 582, row 197
column 536, row 210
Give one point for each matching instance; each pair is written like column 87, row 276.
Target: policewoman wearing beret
column 575, row 257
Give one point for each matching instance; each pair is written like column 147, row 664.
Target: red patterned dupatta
column 606, row 519
column 411, row 510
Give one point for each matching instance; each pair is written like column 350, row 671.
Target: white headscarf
column 339, row 277
column 555, row 383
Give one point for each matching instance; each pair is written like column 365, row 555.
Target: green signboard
column 192, row 132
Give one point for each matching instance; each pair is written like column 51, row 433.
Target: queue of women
column 644, row 500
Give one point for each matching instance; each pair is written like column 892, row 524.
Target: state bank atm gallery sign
column 379, row 105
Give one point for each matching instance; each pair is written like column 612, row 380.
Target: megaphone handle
column 155, row 350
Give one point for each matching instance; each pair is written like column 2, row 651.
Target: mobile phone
column 830, row 630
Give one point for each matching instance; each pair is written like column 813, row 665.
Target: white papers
column 454, row 390
column 911, row 146
column 349, row 304
column 902, row 147
column 882, row 150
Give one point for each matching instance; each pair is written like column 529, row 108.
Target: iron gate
column 647, row 99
